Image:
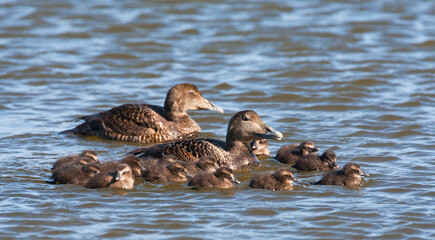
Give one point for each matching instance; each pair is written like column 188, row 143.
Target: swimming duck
column 152, row 163
column 222, row 178
column 260, row 147
column 77, row 173
column 89, row 156
column 279, row 180
column 122, row 177
column 146, row 123
column 291, row 153
column 131, row 160
column 173, row 172
column 235, row 153
column 312, row 162
column 350, row 175
column 204, row 164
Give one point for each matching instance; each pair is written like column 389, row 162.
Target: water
column 357, row 77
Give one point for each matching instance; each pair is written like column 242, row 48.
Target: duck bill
column 270, row 134
column 296, row 180
column 118, row 177
column 235, row 181
column 364, row 174
column 211, row 107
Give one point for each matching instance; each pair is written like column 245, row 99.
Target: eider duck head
column 284, row 176
column 308, row 147
column 208, row 163
column 354, row 170
column 246, row 126
column 91, row 169
column 90, row 154
column 179, row 170
column 260, row 147
column 184, row 97
column 329, row 159
column 226, row 173
column 123, row 171
column 134, row 164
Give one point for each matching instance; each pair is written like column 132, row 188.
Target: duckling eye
column 244, row 118
column 191, row 92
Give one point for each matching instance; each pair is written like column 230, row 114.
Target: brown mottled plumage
column 146, row 123
column 89, row 156
column 260, row 147
column 314, row 162
column 122, row 177
column 235, row 153
column 291, row 153
column 279, row 180
column 350, row 175
column 75, row 173
column 173, row 172
column 222, row 178
column 131, row 160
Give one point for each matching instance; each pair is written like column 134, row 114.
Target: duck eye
column 191, row 92
column 244, row 118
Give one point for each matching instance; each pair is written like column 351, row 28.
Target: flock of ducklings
column 201, row 162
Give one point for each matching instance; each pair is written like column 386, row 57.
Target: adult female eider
column 235, row 152
column 146, row 123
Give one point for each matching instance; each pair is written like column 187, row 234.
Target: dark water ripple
column 355, row 77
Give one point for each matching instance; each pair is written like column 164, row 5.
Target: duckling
column 122, row 177
column 260, row 147
column 312, row 162
column 131, row 160
column 146, row 123
column 235, row 152
column 279, row 180
column 152, row 163
column 89, row 156
column 75, row 173
column 291, row 153
column 174, row 172
column 204, row 164
column 222, row 178
column 350, row 175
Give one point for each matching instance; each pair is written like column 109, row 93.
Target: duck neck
column 233, row 145
column 174, row 111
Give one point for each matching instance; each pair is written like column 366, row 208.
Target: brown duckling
column 235, row 153
column 279, row 180
column 350, row 175
column 260, row 147
column 204, row 164
column 122, row 177
column 174, row 172
column 291, row 153
column 152, row 163
column 222, row 178
column 146, row 123
column 75, row 173
column 89, row 156
column 131, row 160
column 312, row 162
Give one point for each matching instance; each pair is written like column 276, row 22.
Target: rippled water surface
column 357, row 77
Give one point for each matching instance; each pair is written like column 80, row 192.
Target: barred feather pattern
column 136, row 123
column 191, row 150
